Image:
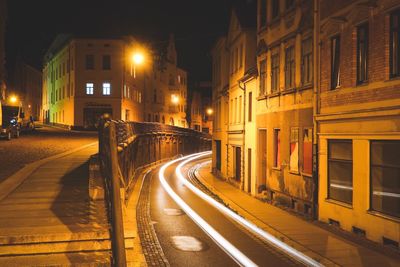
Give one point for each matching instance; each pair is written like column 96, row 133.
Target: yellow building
column 233, row 64
column 166, row 89
column 84, row 78
column 284, row 112
column 358, row 119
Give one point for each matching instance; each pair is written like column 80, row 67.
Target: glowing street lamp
column 210, row 111
column 174, row 99
column 13, row 99
column 137, row 59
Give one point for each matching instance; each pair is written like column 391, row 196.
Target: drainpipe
column 316, row 89
column 244, row 130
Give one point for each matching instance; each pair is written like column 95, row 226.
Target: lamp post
column 210, row 111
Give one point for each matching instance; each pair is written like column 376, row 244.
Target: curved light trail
column 270, row 239
column 231, row 250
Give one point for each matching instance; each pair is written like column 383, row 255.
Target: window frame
column 275, row 72
column 343, row 161
column 276, row 151
column 309, row 56
column 290, row 67
column 104, row 88
column 90, row 92
column 89, row 62
column 362, row 74
column 106, row 64
column 294, row 129
column 263, row 77
column 335, row 62
column 394, row 69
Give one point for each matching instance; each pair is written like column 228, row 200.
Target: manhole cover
column 188, row 243
column 173, row 212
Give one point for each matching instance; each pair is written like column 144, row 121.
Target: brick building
column 359, row 117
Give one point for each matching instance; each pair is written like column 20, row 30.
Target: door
column 218, row 156
column 238, row 165
column 262, row 160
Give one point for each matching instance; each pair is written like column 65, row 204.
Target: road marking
column 173, row 212
column 224, row 244
column 270, row 239
column 188, row 243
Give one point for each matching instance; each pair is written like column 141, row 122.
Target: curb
column 282, row 237
column 13, row 181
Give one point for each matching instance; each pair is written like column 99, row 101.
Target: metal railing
column 125, row 148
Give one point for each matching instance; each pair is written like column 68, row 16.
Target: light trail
column 224, row 244
column 270, row 239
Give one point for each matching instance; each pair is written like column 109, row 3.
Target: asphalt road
column 177, row 233
column 41, row 143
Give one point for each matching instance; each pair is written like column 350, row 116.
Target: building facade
column 27, row 84
column 284, row 113
column 233, row 59
column 166, row 93
column 358, row 120
column 84, row 78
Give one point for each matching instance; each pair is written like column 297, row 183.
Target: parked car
column 10, row 126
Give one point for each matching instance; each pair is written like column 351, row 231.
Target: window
column 231, row 112
column 89, row 62
column 335, row 62
column 263, row 76
column 89, row 88
column 362, row 53
column 250, row 106
column 106, row 62
column 263, row 13
column 294, row 150
column 395, row 44
column 340, row 170
column 275, row 72
column 236, row 108
column 385, row 177
column 277, row 148
column 306, row 62
column 289, row 4
column 307, row 151
column 289, row 67
column 275, row 8
column 106, row 89
column 240, row 109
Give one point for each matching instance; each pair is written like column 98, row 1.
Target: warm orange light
column 137, row 58
column 175, row 99
column 210, row 111
column 29, row 106
column 13, row 99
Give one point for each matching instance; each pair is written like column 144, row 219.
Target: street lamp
column 174, row 99
column 13, row 99
column 210, row 111
column 137, row 59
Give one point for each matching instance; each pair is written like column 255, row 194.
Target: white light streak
column 248, row 225
column 231, row 250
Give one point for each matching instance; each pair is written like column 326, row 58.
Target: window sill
column 261, row 97
column 276, row 169
column 294, row 172
column 306, row 86
column 306, row 174
column 393, row 78
column 288, row 91
column 339, row 203
column 383, row 216
column 273, row 94
column 361, row 84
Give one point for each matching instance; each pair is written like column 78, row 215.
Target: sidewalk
column 49, row 219
column 322, row 245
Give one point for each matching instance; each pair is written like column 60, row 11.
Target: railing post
column 118, row 237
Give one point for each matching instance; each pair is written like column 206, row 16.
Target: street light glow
column 13, row 99
column 175, row 99
column 138, row 58
column 210, row 111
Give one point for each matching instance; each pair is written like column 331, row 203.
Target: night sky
column 33, row 25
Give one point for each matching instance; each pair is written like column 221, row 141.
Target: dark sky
column 33, row 24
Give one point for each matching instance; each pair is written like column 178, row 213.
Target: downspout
column 316, row 89
column 244, row 131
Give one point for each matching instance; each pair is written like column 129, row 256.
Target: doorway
column 218, row 156
column 262, row 160
column 249, row 170
column 238, row 165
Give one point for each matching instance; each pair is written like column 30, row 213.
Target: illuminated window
column 106, row 89
column 89, row 88
column 385, row 177
column 340, row 170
